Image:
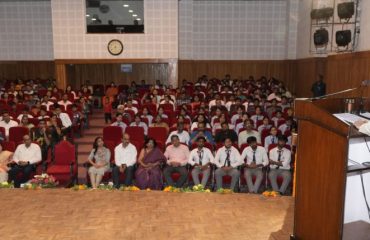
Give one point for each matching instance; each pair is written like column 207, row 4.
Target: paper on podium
column 349, row 117
column 365, row 114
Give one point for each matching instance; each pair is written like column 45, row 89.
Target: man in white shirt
column 45, row 102
column 200, row 158
column 139, row 123
column 183, row 135
column 227, row 161
column 64, row 118
column 24, row 113
column 280, row 158
column 119, row 122
column 24, row 159
column 248, row 132
column 129, row 106
column 125, row 158
column 7, row 123
column 65, row 102
column 255, row 158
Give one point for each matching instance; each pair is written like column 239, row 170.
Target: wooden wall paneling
column 61, row 75
column 27, row 69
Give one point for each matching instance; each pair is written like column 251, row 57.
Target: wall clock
column 115, row 47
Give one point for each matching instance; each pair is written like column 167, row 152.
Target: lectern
column 323, row 171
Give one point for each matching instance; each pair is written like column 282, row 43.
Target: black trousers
column 183, row 175
column 26, row 172
column 129, row 174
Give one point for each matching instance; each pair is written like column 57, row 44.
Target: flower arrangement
column 130, row 189
column 108, row 186
column 270, row 194
column 41, row 181
column 80, row 187
column 224, row 191
column 195, row 188
column 6, row 185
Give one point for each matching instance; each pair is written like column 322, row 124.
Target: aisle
column 86, row 142
column 101, row 214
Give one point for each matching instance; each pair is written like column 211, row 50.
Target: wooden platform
column 97, row 214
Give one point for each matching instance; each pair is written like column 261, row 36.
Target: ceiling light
column 125, row 5
column 134, row 15
column 94, row 19
column 139, row 19
column 131, row 11
column 87, row 15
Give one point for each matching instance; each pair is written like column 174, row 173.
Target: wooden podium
column 321, row 172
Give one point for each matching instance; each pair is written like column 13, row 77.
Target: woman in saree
column 149, row 174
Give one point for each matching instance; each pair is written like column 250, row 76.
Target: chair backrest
column 206, row 145
column 16, row 133
column 2, row 131
column 64, row 153
column 112, row 133
column 158, row 133
column 136, row 133
column 9, row 146
column 111, row 145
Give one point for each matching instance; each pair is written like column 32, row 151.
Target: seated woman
column 99, row 158
column 25, row 123
column 148, row 174
column 159, row 123
column 5, row 157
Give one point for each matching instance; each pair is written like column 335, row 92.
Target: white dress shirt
column 64, row 118
column 263, row 127
column 30, row 154
column 8, row 125
column 64, row 103
column 141, row 124
column 47, row 104
column 120, row 124
column 134, row 109
column 260, row 155
column 256, row 118
column 204, row 154
column 194, row 125
column 220, row 159
column 270, row 140
column 125, row 155
column 285, row 158
column 283, row 128
column 184, row 137
column 243, row 136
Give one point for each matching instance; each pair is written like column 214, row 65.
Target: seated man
column 25, row 157
column 125, row 158
column 119, row 122
column 280, row 158
column 177, row 156
column 139, row 123
column 226, row 132
column 255, row 158
column 7, row 123
column 201, row 158
column 181, row 133
column 227, row 161
column 201, row 132
column 40, row 136
column 65, row 101
column 64, row 118
column 248, row 132
column 272, row 138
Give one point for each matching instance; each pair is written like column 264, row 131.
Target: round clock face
column 115, row 47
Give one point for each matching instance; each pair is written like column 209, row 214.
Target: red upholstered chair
column 167, row 107
column 16, row 133
column 34, row 121
column 112, row 133
column 8, row 146
column 64, row 164
column 206, row 144
column 159, row 134
column 136, row 133
column 152, row 108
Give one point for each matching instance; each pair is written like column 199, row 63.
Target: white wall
column 25, row 31
column 233, row 30
column 71, row 41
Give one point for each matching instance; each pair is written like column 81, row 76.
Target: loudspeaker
column 323, row 13
column 343, row 38
column 346, row 10
column 321, row 37
column 93, row 3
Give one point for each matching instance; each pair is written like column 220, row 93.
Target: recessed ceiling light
column 134, row 15
column 131, row 11
column 126, row 5
column 139, row 19
column 93, row 19
column 87, row 15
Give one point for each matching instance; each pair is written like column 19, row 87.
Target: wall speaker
column 321, row 37
column 346, row 10
column 343, row 38
column 322, row 13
